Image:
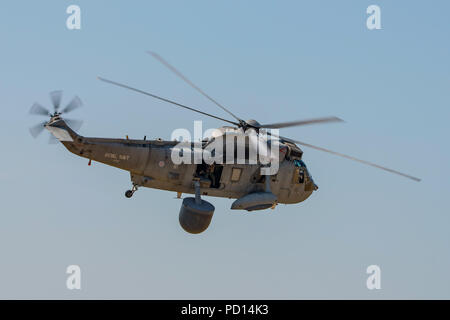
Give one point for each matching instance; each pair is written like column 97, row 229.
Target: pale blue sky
column 269, row 60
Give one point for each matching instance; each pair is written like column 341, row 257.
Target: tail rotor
column 56, row 98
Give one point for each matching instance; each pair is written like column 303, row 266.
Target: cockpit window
column 299, row 176
column 299, row 163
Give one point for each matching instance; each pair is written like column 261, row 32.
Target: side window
column 299, row 176
column 235, row 174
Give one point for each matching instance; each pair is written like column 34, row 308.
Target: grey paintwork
column 150, row 165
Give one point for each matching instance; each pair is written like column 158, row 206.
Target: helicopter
column 150, row 162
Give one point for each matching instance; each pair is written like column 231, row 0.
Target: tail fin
column 59, row 128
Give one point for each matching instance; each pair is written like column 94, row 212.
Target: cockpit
column 299, row 172
column 299, row 163
column 301, row 175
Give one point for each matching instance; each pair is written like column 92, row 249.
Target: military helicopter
column 150, row 163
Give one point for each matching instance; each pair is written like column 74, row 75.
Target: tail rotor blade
column 37, row 129
column 36, row 108
column 74, row 104
column 52, row 139
column 75, row 125
column 56, row 97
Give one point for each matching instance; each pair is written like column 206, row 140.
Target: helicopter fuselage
column 150, row 165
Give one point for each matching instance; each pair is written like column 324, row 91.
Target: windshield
column 299, row 163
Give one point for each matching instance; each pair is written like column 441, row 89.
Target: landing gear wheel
column 129, row 193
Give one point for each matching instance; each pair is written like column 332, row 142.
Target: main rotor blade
column 189, row 82
column 56, row 97
column 37, row 129
column 300, row 122
column 74, row 104
column 348, row 157
column 36, row 108
column 166, row 100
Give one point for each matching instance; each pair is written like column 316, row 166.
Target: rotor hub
column 253, row 123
